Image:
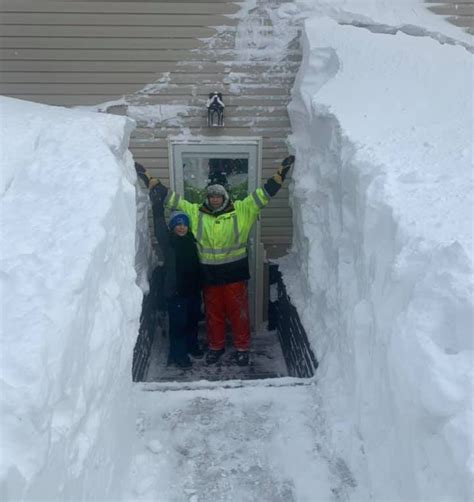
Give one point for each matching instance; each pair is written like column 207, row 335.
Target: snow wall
column 70, row 304
column 381, row 266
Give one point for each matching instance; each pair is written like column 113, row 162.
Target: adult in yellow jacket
column 221, row 227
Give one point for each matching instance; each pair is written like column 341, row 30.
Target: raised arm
column 161, row 229
column 144, row 175
column 158, row 191
column 161, row 196
column 157, row 194
column 273, row 184
column 255, row 201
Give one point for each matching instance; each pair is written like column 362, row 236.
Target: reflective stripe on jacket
column 221, row 238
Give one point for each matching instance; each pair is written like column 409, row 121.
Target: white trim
column 170, row 164
column 258, row 271
column 178, row 146
column 255, row 152
column 221, row 140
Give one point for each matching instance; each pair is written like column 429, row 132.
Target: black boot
column 196, row 352
column 183, row 362
column 213, row 356
column 242, row 358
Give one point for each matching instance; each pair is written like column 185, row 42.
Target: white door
column 194, row 161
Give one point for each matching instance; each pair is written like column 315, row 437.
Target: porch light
column 215, row 110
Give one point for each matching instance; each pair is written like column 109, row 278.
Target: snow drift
column 70, row 305
column 381, row 267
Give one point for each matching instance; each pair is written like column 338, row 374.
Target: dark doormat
column 266, row 361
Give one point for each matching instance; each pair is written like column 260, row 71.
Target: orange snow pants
column 227, row 301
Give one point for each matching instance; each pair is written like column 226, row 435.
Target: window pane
column 198, row 170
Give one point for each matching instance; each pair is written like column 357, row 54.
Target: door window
column 199, row 170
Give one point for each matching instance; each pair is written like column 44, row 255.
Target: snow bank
column 145, row 259
column 70, row 305
column 381, row 268
column 162, row 115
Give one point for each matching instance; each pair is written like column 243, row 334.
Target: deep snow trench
column 380, row 271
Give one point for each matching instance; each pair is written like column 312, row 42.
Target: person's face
column 180, row 230
column 216, row 201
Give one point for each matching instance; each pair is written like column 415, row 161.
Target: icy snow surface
column 151, row 115
column 381, row 267
column 70, row 305
column 145, row 259
column 253, row 443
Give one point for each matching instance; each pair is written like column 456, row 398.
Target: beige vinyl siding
column 67, row 52
column 457, row 12
column 64, row 42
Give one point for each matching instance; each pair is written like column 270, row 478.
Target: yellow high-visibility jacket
column 222, row 237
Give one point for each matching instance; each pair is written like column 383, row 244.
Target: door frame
column 256, row 268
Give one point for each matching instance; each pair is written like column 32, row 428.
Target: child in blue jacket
column 182, row 281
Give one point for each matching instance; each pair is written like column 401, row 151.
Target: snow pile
column 381, row 269
column 145, row 259
column 70, row 305
column 155, row 115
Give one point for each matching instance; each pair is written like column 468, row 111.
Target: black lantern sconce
column 215, row 110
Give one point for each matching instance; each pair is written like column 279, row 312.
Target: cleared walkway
column 266, row 361
column 254, row 443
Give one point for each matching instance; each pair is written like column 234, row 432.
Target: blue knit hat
column 178, row 218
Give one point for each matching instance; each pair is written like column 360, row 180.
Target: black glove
column 158, row 195
column 141, row 173
column 288, row 161
column 286, row 166
column 139, row 168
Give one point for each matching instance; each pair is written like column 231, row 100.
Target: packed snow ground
column 70, row 306
column 236, row 444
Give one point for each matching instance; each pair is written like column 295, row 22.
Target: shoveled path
column 266, row 361
column 250, row 441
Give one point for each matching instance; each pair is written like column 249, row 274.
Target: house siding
column 158, row 53
column 166, row 53
column 457, row 12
